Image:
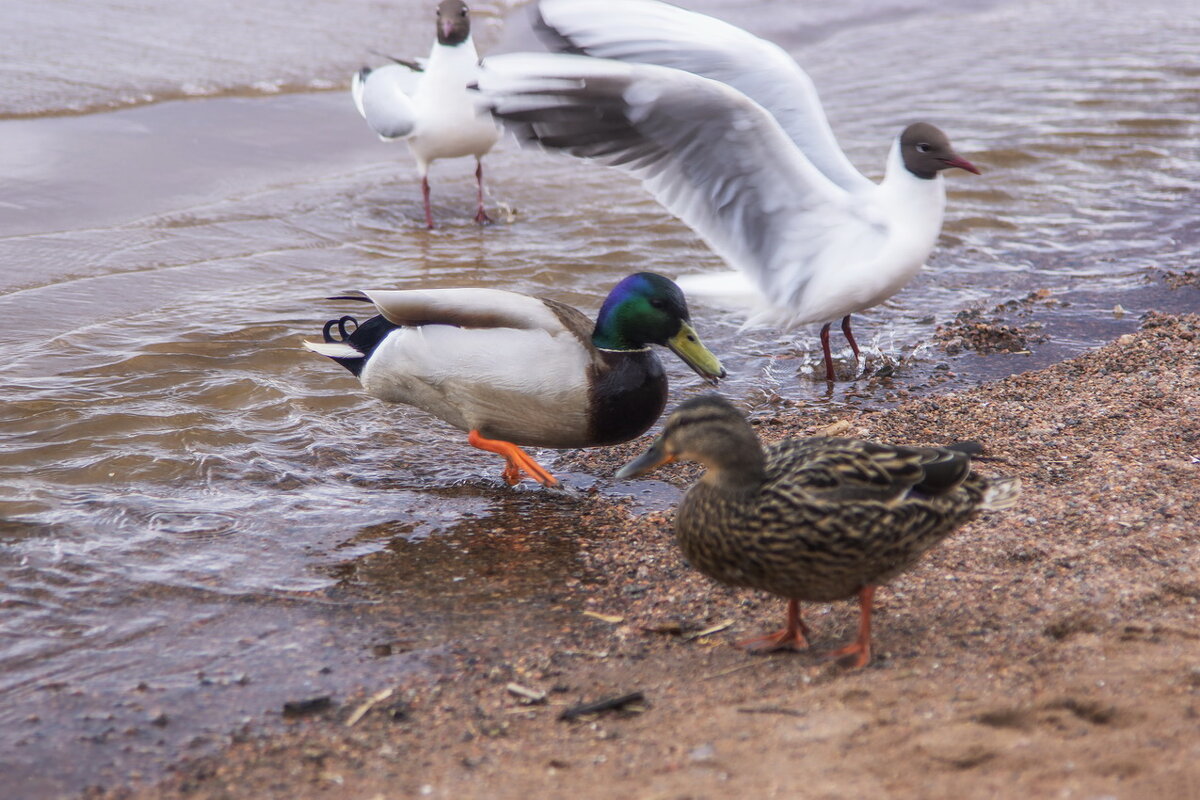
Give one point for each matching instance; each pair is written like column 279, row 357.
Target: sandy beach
column 1045, row 651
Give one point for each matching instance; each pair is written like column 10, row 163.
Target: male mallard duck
column 812, row 519
column 727, row 132
column 516, row 370
column 428, row 104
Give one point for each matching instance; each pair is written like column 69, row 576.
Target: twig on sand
column 720, row 626
column 607, row 704
column 738, row 668
column 370, row 703
column 791, row 712
column 528, row 696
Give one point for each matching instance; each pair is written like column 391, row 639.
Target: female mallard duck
column 514, row 370
column 815, row 519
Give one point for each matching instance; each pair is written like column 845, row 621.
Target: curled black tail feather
column 364, row 338
column 343, row 335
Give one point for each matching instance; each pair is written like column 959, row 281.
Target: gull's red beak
column 961, row 163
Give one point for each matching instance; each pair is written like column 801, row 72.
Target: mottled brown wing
column 842, row 470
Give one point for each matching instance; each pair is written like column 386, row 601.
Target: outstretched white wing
column 383, row 97
column 712, row 156
column 648, row 32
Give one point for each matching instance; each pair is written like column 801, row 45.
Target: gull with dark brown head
column 727, row 132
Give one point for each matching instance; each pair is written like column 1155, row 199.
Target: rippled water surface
column 193, row 508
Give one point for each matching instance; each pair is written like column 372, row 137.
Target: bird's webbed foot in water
column 517, row 461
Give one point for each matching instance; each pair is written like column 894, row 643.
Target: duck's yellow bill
column 687, row 345
column 648, row 461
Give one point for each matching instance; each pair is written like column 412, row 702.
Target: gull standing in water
column 727, row 132
column 428, row 104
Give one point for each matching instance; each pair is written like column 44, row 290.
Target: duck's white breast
column 525, row 386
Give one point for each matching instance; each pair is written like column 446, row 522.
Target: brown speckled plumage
column 818, row 519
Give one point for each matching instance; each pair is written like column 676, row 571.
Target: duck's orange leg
column 518, row 460
column 858, row 654
column 791, row 637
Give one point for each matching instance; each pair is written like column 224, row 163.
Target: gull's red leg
column 828, row 354
column 850, row 336
column 425, row 197
column 480, row 215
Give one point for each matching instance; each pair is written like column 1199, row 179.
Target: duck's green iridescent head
column 646, row 309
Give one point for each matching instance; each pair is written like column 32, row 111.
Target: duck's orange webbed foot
column 792, row 637
column 518, row 461
column 779, row 640
column 858, row 654
column 853, row 656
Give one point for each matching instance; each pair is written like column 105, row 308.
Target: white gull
column 727, row 132
column 428, row 104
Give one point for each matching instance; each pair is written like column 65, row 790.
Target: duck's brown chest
column 627, row 396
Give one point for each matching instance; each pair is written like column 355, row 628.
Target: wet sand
column 1046, row 651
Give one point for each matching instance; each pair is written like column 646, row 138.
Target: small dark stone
column 313, row 705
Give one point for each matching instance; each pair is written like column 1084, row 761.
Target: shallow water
column 191, row 503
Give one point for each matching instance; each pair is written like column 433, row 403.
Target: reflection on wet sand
column 474, row 572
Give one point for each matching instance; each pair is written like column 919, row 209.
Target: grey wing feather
column 656, row 33
column 712, row 156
